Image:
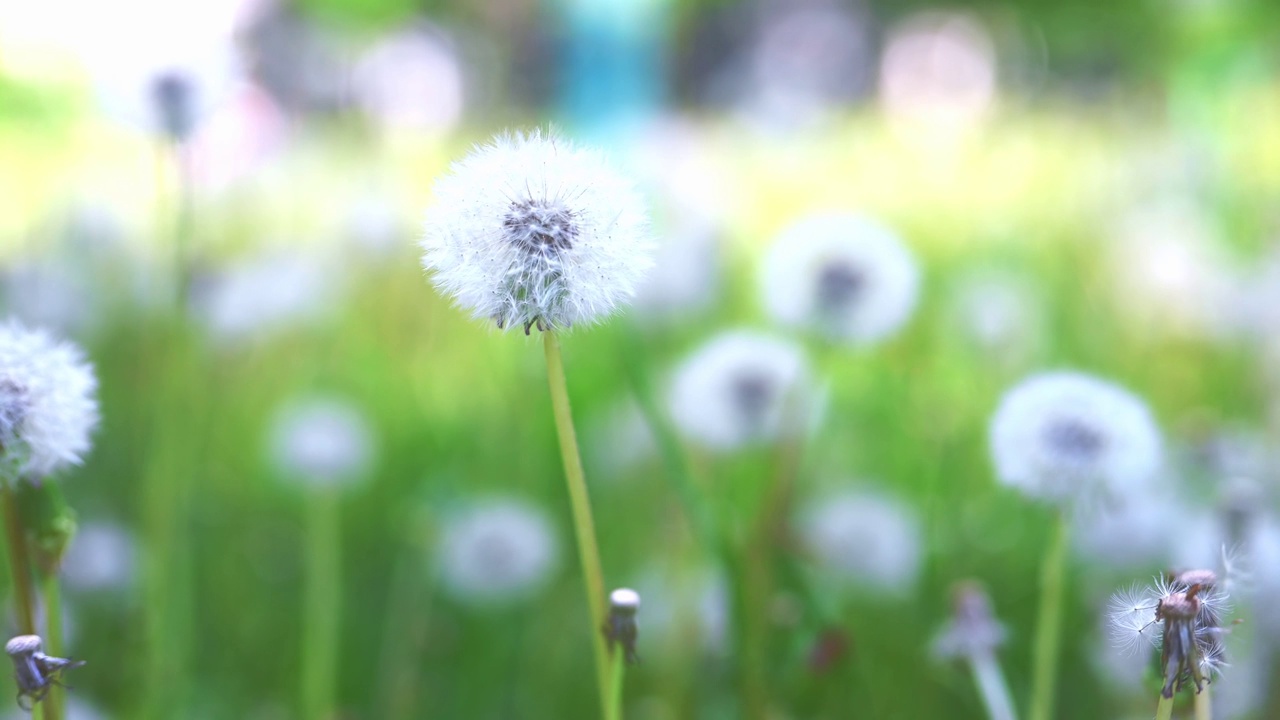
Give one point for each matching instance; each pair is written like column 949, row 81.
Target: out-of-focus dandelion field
column 1117, row 215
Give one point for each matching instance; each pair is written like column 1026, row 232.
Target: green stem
column 1164, row 710
column 1049, row 624
column 19, row 560
column 991, row 686
column 323, row 603
column 52, row 593
column 583, row 525
column 1204, row 704
column 618, row 672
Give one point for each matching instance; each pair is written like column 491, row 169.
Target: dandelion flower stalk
column 1049, row 622
column 19, row 560
column 52, row 595
column 583, row 524
column 323, row 597
column 621, row 631
column 1204, row 704
column 1164, row 709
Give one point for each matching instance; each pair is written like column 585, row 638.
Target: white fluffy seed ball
column 1059, row 436
column 840, row 275
column 868, row 541
column 322, row 441
column 48, row 403
column 497, row 550
column 533, row 229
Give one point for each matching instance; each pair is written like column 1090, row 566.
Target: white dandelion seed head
column 841, row 275
column 102, row 556
column 256, row 296
column 741, row 388
column 1065, row 435
column 534, row 229
column 497, row 550
column 48, row 403
column 322, row 441
column 689, row 281
column 869, row 541
column 1130, row 532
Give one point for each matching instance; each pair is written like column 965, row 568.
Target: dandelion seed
column 48, row 406
column 533, row 230
column 1064, row 435
column 498, row 550
column 843, row 276
column 865, row 540
column 741, row 388
column 322, row 441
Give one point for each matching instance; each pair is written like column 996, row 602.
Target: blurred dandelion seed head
column 841, row 275
column 741, row 388
column 973, row 628
column 497, row 550
column 102, row 556
column 869, row 541
column 322, row 441
column 1063, row 435
column 534, row 229
column 48, row 404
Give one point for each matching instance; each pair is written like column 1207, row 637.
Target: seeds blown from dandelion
column 741, row 388
column 1063, row 435
column 48, row 406
column 496, row 550
column 533, row 230
column 840, row 275
column 1183, row 617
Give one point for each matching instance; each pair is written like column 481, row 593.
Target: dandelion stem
column 991, row 686
column 1049, row 624
column 52, row 595
column 19, row 560
column 1164, row 710
column 1204, row 704
column 323, row 603
column 583, row 525
column 617, row 672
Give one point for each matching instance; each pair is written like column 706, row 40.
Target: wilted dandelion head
column 1183, row 616
column 321, row 441
column 497, row 550
column 973, row 628
column 740, row 388
column 101, row 556
column 869, row 541
column 532, row 229
column 48, row 406
column 841, row 275
column 1063, row 435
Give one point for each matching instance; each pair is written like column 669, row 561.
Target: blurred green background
column 1118, row 163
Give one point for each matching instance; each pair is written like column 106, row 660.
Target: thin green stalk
column 19, row 560
column 52, row 595
column 991, row 686
column 323, row 603
column 1204, row 704
column 583, row 526
column 1164, row 710
column 618, row 671
column 1049, row 625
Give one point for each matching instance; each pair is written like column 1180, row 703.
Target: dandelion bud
column 47, row 403
column 741, row 388
column 621, row 628
column 322, row 441
column 496, row 551
column 531, row 229
column 1064, row 435
column 842, row 276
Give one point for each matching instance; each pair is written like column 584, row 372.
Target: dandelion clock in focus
column 1063, row 435
column 741, row 388
column 496, row 550
column 842, row 276
column 533, row 229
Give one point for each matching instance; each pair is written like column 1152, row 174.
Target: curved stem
column 323, row 600
column 583, row 525
column 616, row 674
column 52, row 594
column 19, row 560
column 1049, row 624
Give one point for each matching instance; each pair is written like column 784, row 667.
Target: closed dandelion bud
column 864, row 540
column 621, row 628
column 534, row 230
column 1060, row 436
column 741, row 388
column 323, row 442
column 48, row 406
column 496, row 551
column 842, row 276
